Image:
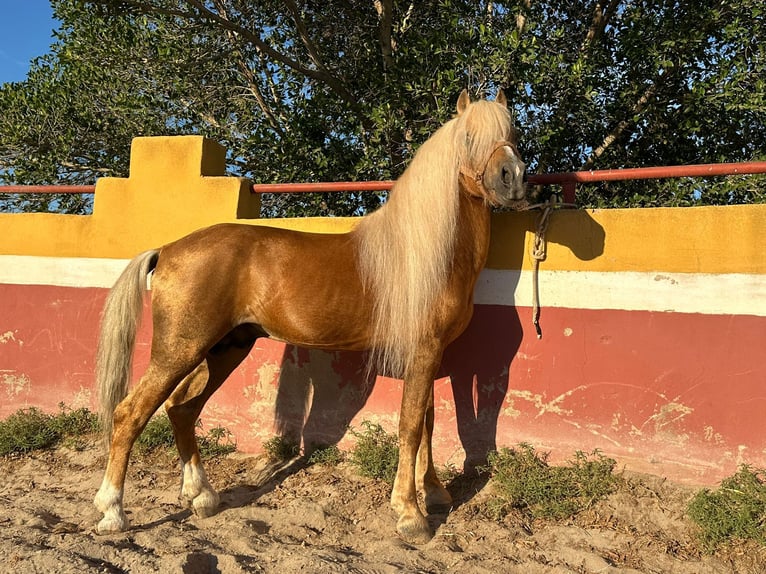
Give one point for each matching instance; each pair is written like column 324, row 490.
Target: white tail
column 120, row 321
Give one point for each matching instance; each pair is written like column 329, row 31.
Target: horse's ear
column 500, row 98
column 463, row 101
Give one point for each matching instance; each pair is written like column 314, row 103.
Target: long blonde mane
column 407, row 246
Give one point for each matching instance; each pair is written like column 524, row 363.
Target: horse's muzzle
column 505, row 176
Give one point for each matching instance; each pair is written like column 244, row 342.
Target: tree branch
column 622, row 126
column 385, row 9
column 521, row 19
column 204, row 14
column 601, row 18
column 303, row 32
column 320, row 74
column 250, row 78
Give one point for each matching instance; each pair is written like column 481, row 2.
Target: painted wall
column 654, row 327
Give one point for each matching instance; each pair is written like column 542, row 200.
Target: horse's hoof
column 438, row 501
column 206, row 503
column 112, row 522
column 414, row 529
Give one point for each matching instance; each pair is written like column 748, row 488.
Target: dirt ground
column 322, row 519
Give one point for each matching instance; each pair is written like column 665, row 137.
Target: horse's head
column 492, row 168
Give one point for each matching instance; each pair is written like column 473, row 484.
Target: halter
column 478, row 177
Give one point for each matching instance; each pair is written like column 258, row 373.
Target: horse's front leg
column 418, row 387
column 436, row 497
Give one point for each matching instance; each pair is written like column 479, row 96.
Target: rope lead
column 539, row 253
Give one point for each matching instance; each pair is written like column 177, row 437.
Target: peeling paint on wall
column 82, row 399
column 666, row 422
column 539, row 402
column 15, row 384
column 10, row 337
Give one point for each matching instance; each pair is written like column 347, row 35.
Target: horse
column 399, row 285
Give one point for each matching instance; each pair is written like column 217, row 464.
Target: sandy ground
column 323, row 519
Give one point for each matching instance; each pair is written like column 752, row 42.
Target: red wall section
column 614, row 380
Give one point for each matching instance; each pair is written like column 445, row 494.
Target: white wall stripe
column 726, row 293
column 60, row 271
column 713, row 294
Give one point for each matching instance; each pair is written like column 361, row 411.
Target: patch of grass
column 523, row 480
column 76, row 426
column 447, row 473
column 735, row 511
column 217, row 442
column 158, row 434
column 76, row 422
column 31, row 429
column 27, row 430
column 376, row 453
column 327, row 455
column 280, row 448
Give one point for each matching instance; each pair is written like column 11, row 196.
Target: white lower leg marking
column 109, row 501
column 197, row 491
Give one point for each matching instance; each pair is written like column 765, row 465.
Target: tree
column 343, row 90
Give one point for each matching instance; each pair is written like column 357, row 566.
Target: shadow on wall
column 320, row 392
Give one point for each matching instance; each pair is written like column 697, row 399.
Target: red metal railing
column 568, row 181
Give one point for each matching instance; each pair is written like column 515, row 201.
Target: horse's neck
column 472, row 241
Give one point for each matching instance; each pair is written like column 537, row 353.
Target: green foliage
column 27, row 430
column 376, row 453
column 157, row 434
column 217, row 442
column 734, row 511
column 338, row 91
column 281, row 448
column 75, row 422
column 31, row 429
column 327, row 455
column 523, row 480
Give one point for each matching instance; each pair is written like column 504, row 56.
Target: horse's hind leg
column 184, row 407
column 130, row 418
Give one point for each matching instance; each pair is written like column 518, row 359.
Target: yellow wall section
column 177, row 184
column 714, row 239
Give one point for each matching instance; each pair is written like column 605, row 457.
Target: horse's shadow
column 319, row 393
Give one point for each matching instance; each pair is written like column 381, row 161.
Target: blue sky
column 26, row 30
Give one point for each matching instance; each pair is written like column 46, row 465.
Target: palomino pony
column 400, row 284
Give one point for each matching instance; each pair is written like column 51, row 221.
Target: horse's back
column 299, row 287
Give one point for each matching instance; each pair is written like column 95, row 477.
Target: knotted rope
column 539, row 251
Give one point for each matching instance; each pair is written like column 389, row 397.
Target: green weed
column 376, row 453
column 27, row 430
column 280, row 448
column 157, row 434
column 31, row 429
column 523, row 480
column 327, row 455
column 736, row 510
column 217, row 442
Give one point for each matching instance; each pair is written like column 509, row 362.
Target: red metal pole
column 567, row 181
column 660, row 172
column 47, row 188
column 326, row 186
